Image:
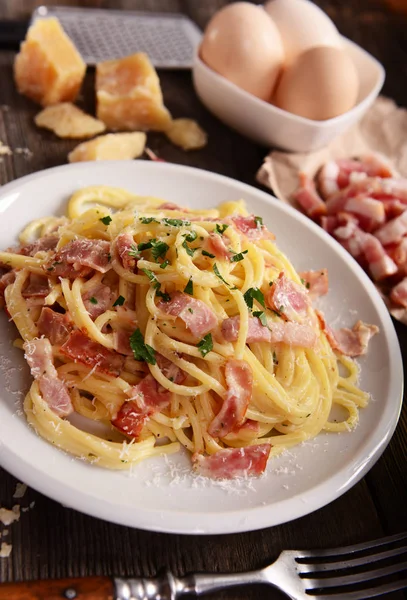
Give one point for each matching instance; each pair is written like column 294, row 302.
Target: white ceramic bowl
column 266, row 124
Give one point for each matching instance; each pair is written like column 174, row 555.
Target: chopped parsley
column 261, row 315
column 238, row 257
column 205, row 345
column 254, row 294
column 259, row 222
column 106, row 220
column 221, row 228
column 148, row 220
column 119, row 301
column 166, row 297
column 176, row 222
column 145, row 245
column 156, row 285
column 191, row 310
column 190, row 251
column 205, row 253
column 165, row 264
column 217, row 273
column 93, row 300
column 158, row 249
column 142, row 351
column 189, row 288
column 134, row 252
column 191, row 236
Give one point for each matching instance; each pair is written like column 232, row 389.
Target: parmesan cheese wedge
column 48, row 69
column 68, row 121
column 187, row 134
column 112, row 146
column 129, row 95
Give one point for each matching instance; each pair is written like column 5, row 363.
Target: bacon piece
column 308, row 197
column 38, row 286
column 80, row 348
column 84, row 252
column 292, row 334
column 252, row 228
column 54, row 326
column 348, row 224
column 317, row 282
column 328, row 223
column 249, row 430
column 351, row 342
column 364, row 187
column 398, row 252
column 328, row 179
column 380, row 264
column 197, row 316
column 377, row 165
column 44, row 244
column 121, row 340
column 393, row 231
column 97, row 300
column 38, row 353
column 232, row 463
column 370, row 210
column 58, row 268
column 289, row 298
column 239, row 382
column 124, row 245
column 399, row 293
column 170, row 369
column 146, row 398
column 214, row 244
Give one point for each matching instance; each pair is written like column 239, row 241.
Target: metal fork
column 338, row 574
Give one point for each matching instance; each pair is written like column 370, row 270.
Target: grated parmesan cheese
column 9, row 516
column 5, row 550
column 5, row 150
column 21, row 489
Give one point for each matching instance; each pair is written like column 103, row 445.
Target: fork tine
column 350, row 549
column 304, row 568
column 364, row 594
column 366, row 576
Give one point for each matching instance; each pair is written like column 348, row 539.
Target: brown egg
column 242, row 43
column 321, row 84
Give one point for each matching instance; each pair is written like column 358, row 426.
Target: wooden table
column 53, row 541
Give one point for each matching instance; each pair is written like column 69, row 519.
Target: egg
column 242, row 43
column 302, row 25
column 321, row 84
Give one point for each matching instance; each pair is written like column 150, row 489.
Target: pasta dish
column 172, row 328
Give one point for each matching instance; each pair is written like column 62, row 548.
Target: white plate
column 162, row 495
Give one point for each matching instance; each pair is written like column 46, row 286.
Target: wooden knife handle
column 84, row 588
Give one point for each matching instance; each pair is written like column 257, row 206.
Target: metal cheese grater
column 169, row 39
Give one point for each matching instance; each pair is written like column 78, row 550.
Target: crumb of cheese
column 5, row 550
column 187, row 134
column 5, row 150
column 20, row 490
column 112, row 146
column 9, row 516
column 48, row 69
column 68, row 121
column 129, row 95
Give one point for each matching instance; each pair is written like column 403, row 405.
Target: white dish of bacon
column 362, row 203
column 164, row 495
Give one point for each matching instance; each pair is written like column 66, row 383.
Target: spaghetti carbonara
column 174, row 327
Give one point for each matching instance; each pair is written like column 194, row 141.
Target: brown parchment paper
column 383, row 129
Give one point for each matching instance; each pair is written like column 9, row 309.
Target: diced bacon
column 43, row 244
column 380, row 264
column 149, row 395
column 252, row 228
column 127, row 317
column 289, row 298
column 317, row 282
column 328, row 179
column 97, row 300
column 393, row 231
column 393, row 208
column 239, row 382
column 38, row 286
column 248, row 430
column 38, row 353
column 170, row 369
column 231, row 463
column 197, row 316
column 369, row 209
column 85, row 252
column 214, row 244
column 365, row 187
column 308, row 197
column 129, row 420
column 328, row 223
column 398, row 252
column 80, row 348
column 292, row 334
column 350, row 342
column 348, row 224
column 124, row 245
column 377, row 165
column 399, row 293
column 55, row 267
column 56, row 395
column 121, row 342
column 54, row 326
